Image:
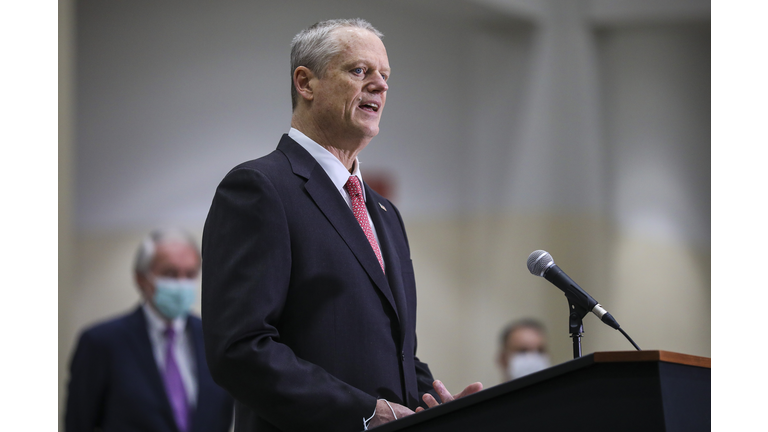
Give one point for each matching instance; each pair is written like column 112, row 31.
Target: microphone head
column 539, row 261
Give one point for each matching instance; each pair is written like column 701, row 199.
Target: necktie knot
column 353, row 186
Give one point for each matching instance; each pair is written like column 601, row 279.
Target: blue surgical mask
column 174, row 297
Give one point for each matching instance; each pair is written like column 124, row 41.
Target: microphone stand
column 576, row 326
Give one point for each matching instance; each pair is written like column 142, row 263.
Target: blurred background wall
column 581, row 127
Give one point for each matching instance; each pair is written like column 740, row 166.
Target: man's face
column 349, row 99
column 524, row 353
column 523, row 339
column 173, row 260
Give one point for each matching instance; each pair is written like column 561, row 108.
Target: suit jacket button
column 402, row 356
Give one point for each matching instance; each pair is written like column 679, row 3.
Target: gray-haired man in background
column 146, row 371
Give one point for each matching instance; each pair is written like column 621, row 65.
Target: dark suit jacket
column 115, row 384
column 301, row 324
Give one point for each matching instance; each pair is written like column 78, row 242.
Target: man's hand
column 446, row 396
column 384, row 413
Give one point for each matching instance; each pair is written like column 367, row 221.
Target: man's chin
column 369, row 131
column 362, row 132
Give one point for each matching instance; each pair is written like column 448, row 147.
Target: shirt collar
column 156, row 323
column 331, row 164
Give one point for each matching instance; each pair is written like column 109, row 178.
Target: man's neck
column 345, row 150
column 159, row 318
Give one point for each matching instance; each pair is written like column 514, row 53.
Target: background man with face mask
column 146, row 370
column 522, row 349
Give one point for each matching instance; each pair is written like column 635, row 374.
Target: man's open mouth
column 369, row 106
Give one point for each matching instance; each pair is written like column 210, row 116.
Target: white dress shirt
column 336, row 170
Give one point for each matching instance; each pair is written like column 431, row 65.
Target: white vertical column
column 536, row 176
column 558, row 163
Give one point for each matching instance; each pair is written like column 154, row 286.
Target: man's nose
column 378, row 84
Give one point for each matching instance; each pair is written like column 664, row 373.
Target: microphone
column 540, row 263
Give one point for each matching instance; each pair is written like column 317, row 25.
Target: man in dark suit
column 309, row 297
column 146, row 371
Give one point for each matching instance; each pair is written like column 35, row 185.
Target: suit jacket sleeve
column 424, row 380
column 245, row 277
column 87, row 386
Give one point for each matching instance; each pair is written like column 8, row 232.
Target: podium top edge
column 646, row 356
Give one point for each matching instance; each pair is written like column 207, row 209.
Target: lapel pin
column 382, row 207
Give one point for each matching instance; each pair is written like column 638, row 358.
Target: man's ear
column 501, row 360
column 302, row 80
column 145, row 285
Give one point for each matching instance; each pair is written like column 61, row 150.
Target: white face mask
column 525, row 363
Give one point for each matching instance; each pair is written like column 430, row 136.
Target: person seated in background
column 522, row 349
column 146, row 370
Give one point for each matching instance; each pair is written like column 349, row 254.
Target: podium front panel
column 580, row 395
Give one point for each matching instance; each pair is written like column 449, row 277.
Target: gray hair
column 145, row 254
column 314, row 47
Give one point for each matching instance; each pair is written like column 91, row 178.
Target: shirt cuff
column 365, row 422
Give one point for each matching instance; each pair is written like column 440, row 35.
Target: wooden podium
column 605, row 391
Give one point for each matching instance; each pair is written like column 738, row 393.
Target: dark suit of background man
column 304, row 325
column 123, row 376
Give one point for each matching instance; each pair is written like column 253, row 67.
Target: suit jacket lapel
column 391, row 257
column 142, row 348
column 195, row 331
column 329, row 200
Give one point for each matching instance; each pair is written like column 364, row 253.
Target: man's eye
column 358, row 71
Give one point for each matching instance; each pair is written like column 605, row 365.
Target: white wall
column 657, row 104
column 510, row 126
column 67, row 248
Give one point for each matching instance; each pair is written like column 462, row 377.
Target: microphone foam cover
column 538, row 261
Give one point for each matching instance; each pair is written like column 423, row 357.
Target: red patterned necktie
column 358, row 208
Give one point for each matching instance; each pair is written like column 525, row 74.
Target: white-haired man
column 146, row 371
column 309, row 296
